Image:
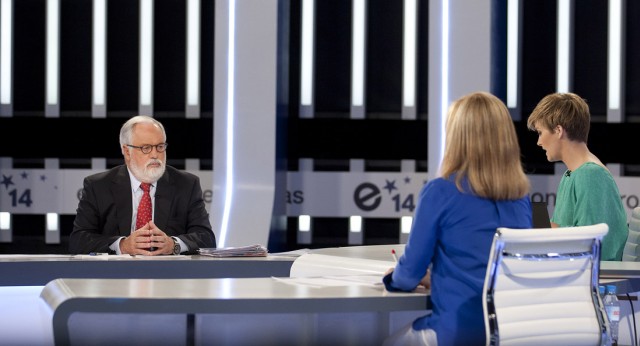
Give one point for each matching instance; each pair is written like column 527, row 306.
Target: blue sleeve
column 420, row 247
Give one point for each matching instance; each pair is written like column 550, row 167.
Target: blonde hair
column 482, row 146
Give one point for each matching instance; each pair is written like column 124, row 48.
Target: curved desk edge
column 203, row 296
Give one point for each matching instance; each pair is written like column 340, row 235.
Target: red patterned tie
column 144, row 208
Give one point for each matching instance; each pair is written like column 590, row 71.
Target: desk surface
column 619, row 270
column 239, row 295
column 38, row 270
column 625, row 275
column 370, row 252
column 215, row 296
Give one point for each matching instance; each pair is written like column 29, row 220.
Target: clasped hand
column 149, row 240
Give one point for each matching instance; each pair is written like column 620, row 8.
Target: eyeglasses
column 146, row 149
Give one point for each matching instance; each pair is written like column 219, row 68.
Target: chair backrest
column 541, row 287
column 631, row 252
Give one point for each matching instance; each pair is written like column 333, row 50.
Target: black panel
column 499, row 48
column 29, row 57
column 632, row 69
column 169, row 39
column 605, row 141
column 329, row 231
column 538, row 52
column 206, row 55
column 366, row 139
column 333, row 58
column 28, row 235
column 87, row 138
column 122, row 57
column 384, row 57
column 293, row 58
column 380, row 231
column 590, row 55
column 423, row 60
column 75, row 57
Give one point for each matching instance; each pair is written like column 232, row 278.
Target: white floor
column 24, row 318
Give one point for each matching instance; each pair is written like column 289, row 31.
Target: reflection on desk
column 310, row 311
column 625, row 275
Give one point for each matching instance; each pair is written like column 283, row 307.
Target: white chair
column 631, row 252
column 541, row 287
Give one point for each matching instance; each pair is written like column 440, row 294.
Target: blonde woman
column 482, row 186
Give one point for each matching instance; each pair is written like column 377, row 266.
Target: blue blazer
column 105, row 210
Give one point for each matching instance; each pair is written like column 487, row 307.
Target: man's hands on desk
column 148, row 240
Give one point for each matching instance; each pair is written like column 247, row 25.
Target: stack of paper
column 313, row 265
column 241, row 251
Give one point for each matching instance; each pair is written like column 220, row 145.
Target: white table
column 299, row 313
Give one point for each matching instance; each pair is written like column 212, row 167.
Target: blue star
column 6, row 181
column 391, row 185
column 43, row 177
column 24, row 175
column 407, row 180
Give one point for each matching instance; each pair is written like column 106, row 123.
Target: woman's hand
column 426, row 280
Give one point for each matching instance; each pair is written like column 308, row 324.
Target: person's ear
column 559, row 130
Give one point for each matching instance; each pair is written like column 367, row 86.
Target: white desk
column 298, row 314
column 38, row 270
column 244, row 311
column 619, row 270
column 625, row 275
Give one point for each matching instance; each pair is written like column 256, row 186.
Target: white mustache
column 153, row 162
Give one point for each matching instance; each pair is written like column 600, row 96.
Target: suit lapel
column 121, row 190
column 164, row 191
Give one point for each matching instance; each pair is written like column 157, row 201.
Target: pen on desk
column 395, row 257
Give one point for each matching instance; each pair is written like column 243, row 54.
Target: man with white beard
column 108, row 219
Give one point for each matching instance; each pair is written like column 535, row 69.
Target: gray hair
column 127, row 129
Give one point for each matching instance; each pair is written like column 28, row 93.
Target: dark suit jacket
column 105, row 211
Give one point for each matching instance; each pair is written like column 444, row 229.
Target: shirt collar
column 135, row 183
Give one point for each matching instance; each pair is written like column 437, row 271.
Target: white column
column 455, row 70
column 99, row 67
column 6, row 58
column 52, row 102
column 409, row 60
column 193, row 60
column 244, row 120
column 6, row 229
column 146, row 58
column 616, row 61
column 514, row 56
column 307, row 59
column 358, row 59
column 564, row 46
